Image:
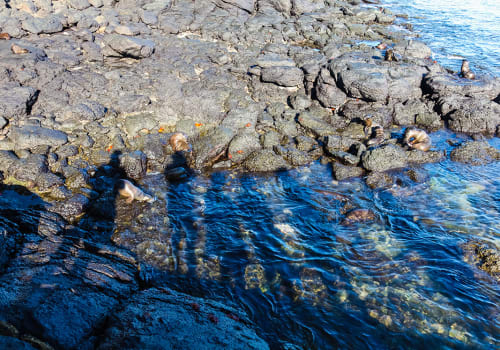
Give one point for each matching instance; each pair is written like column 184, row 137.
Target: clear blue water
column 454, row 30
column 275, row 245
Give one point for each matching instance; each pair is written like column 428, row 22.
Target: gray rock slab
column 28, row 136
column 47, row 25
column 283, row 76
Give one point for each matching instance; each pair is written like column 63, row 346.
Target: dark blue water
column 276, row 245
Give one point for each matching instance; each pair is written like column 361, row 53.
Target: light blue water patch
column 455, row 29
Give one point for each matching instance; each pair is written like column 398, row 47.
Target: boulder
column 16, row 101
column 123, row 45
column 134, row 164
column 475, row 153
column 160, row 318
column 384, row 158
column 265, row 160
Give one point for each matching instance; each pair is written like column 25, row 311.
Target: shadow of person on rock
column 59, row 281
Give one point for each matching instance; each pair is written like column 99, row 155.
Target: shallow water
column 275, row 245
column 455, row 30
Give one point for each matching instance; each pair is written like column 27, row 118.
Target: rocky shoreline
column 92, row 90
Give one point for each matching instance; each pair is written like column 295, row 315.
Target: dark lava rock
column 266, row 160
column 32, row 136
column 165, row 319
column 283, row 76
column 342, row 172
column 475, row 153
column 208, row 149
column 16, row 101
column 134, row 164
column 123, row 45
column 316, row 124
column 470, row 115
column 59, row 286
column 243, row 145
column 384, row 158
column 71, row 209
column 28, row 169
column 421, row 157
column 445, row 84
column 377, row 180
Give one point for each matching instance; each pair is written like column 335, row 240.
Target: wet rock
column 78, row 282
column 421, row 157
column 316, row 124
column 342, row 172
column 384, row 158
column 75, row 177
column 470, row 115
column 294, row 156
column 16, row 101
column 265, row 160
column 475, row 153
column 127, row 46
column 163, row 318
column 305, row 143
column 72, row 209
column 283, row 76
column 32, row 136
column 46, row 181
column 134, row 164
column 29, row 168
column 335, row 143
column 243, row 145
column 210, row 148
column 376, row 180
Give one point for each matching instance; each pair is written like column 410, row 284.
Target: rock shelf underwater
column 281, row 226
